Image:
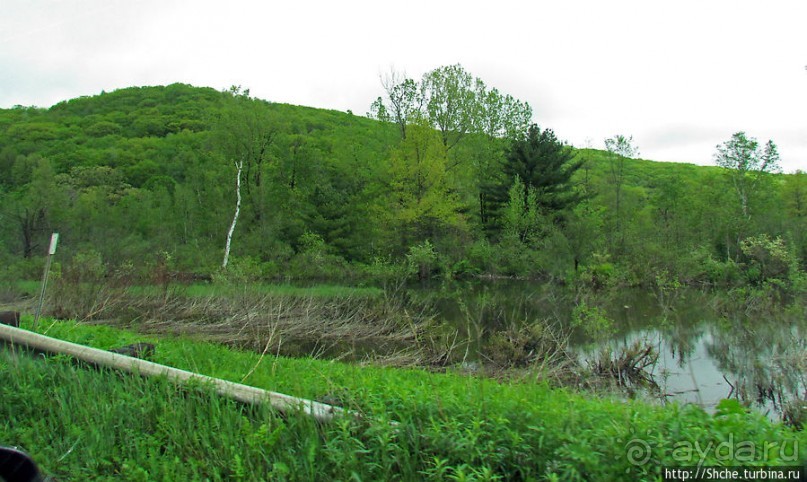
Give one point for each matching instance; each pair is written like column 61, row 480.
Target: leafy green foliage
column 80, row 423
column 421, row 203
column 745, row 163
column 422, row 259
column 523, row 219
column 145, row 170
column 593, row 321
column 547, row 165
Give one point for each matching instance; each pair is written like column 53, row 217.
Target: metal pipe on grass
column 243, row 393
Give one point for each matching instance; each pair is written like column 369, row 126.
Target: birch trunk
column 239, row 167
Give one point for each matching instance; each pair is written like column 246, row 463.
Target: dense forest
column 152, row 176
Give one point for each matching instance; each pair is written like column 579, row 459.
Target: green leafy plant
column 422, row 259
column 447, row 426
column 593, row 321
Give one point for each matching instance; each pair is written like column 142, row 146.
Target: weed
column 89, row 424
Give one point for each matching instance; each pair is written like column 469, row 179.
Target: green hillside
column 148, row 175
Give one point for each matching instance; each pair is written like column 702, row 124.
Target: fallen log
column 242, row 393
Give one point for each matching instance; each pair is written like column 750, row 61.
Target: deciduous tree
column 746, row 164
column 450, row 102
column 619, row 149
column 498, row 117
column 403, row 104
column 34, row 205
column 245, row 133
column 422, row 203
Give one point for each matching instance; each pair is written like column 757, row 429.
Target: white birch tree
column 746, row 164
column 239, row 166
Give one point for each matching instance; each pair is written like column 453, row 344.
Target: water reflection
column 705, row 353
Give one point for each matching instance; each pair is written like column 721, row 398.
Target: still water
column 707, row 352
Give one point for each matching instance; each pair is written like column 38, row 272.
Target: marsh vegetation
column 80, row 423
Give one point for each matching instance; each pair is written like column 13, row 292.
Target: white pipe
column 243, row 393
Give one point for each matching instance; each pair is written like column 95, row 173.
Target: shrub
column 593, row 321
column 240, row 270
column 704, row 268
column 482, row 255
column 601, row 273
column 422, row 260
column 383, row 270
column 767, row 259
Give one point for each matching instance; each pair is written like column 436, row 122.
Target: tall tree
column 422, row 203
column 245, row 134
column 453, row 101
column 619, row 149
column 545, row 166
column 34, row 205
column 403, row 104
column 466, row 113
column 746, row 164
column 450, row 102
column 239, row 166
column 498, row 117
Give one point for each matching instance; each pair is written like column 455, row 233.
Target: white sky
column 680, row 76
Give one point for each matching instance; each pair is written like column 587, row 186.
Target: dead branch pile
column 360, row 327
column 630, row 366
column 527, row 345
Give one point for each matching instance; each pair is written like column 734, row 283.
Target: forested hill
column 146, row 174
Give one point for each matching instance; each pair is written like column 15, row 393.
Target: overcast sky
column 680, row 77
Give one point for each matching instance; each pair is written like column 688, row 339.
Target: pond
column 706, row 352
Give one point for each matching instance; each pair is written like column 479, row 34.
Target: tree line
column 445, row 173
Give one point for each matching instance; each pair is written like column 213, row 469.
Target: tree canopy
column 132, row 175
column 746, row 162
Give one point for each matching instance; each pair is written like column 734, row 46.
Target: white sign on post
column 54, row 239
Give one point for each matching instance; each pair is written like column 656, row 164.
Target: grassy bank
column 81, row 423
column 32, row 287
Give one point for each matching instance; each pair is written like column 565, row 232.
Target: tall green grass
column 83, row 424
column 223, row 289
column 316, row 291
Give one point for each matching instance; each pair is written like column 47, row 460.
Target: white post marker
column 54, row 240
